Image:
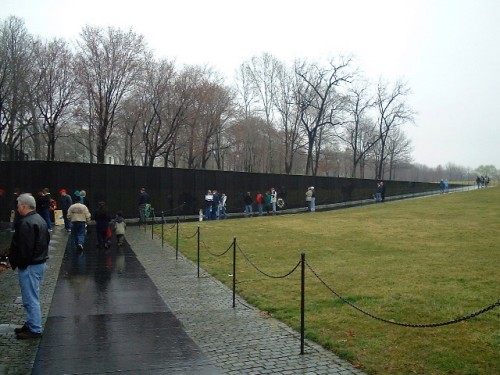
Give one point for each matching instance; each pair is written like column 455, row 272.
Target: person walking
column 143, row 200
column 79, row 215
column 120, row 227
column 65, row 202
column 102, row 219
column 28, row 252
column 43, row 204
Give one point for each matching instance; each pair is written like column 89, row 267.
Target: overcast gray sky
column 447, row 50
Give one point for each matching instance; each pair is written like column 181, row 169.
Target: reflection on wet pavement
column 106, row 316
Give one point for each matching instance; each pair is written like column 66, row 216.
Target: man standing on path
column 143, row 201
column 28, row 253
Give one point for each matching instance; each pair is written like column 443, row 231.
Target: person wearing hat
column 65, row 202
column 83, row 198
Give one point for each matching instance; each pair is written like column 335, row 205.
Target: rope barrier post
column 302, row 300
column 162, row 226
column 177, row 240
column 234, row 272
column 198, row 261
column 152, row 222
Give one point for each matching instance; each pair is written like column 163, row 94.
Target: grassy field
column 421, row 261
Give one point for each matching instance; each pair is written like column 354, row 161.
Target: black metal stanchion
column 162, row 227
column 302, row 301
column 177, row 240
column 234, row 272
column 152, row 221
column 198, row 252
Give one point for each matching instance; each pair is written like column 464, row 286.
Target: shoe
column 28, row 335
column 24, row 328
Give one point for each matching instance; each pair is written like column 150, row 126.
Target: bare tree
column 393, row 111
column 359, row 133
column 398, row 149
column 320, row 104
column 109, row 63
column 262, row 73
column 15, row 72
column 165, row 107
column 287, row 102
column 55, row 89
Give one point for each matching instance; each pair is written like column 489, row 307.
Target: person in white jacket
column 79, row 215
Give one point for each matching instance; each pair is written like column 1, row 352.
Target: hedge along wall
column 179, row 191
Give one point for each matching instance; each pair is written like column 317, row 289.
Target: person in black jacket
column 28, row 252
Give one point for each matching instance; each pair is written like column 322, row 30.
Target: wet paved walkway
column 140, row 310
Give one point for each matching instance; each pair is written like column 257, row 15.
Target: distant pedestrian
column 248, row 204
column 83, row 199
column 43, row 206
column 259, row 199
column 102, row 219
column 313, row 200
column 216, row 205
column 120, row 228
column 209, row 204
column 14, row 214
column 308, row 198
column 28, row 252
column 274, row 200
column 79, row 215
column 267, row 201
column 382, row 191
column 223, row 207
column 65, row 203
column 441, row 186
column 378, row 193
column 142, row 202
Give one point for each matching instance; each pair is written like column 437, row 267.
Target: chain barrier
column 191, row 236
column 430, row 325
column 213, row 254
column 264, row 273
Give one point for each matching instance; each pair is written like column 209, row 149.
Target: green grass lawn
column 419, row 261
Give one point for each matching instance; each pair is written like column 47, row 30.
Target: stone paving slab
column 238, row 340
column 17, row 356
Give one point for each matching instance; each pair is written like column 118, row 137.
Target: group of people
column 482, row 181
column 443, row 186
column 29, row 247
column 215, row 205
column 265, row 202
